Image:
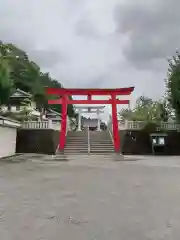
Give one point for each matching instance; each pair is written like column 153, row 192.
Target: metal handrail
column 57, row 149
column 89, row 148
column 110, row 133
column 110, row 130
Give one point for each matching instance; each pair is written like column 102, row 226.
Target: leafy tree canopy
column 146, row 110
column 17, row 70
column 173, row 85
column 6, row 84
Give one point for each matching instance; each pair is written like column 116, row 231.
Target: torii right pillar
column 115, row 124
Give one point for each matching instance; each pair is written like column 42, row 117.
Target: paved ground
column 90, row 200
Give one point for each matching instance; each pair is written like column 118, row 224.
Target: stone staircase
column 101, row 143
column 76, row 143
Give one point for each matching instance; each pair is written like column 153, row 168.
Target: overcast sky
column 97, row 43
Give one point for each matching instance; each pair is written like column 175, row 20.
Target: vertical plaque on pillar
column 99, row 120
column 79, row 121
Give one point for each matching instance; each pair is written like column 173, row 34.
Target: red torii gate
column 64, row 94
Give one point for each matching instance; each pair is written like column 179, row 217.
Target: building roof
column 52, row 112
column 20, row 93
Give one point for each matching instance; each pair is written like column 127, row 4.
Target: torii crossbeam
column 64, row 100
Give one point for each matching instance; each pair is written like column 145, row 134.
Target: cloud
column 86, row 29
column 152, row 29
column 47, row 58
column 96, row 43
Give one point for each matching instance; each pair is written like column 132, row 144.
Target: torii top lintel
column 93, row 91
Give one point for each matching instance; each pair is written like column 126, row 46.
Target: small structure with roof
column 15, row 105
column 93, row 123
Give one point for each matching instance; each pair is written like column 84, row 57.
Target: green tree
column 28, row 77
column 6, row 83
column 173, row 85
column 146, row 110
column 126, row 114
column 26, row 110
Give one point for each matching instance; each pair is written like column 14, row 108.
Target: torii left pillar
column 115, row 124
column 63, row 123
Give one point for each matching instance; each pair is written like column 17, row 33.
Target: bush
column 151, row 127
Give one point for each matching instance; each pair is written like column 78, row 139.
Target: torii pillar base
column 118, row 157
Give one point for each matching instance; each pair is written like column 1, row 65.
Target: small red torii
column 64, row 94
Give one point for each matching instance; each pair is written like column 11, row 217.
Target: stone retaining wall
column 44, row 141
column 138, row 143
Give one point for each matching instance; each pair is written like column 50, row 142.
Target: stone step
column 76, row 153
column 87, row 157
column 76, row 143
column 100, row 137
column 97, row 139
column 77, row 138
column 102, row 149
column 101, row 146
column 92, row 150
column 96, row 157
column 102, row 143
column 92, row 153
column 78, row 133
column 101, row 140
column 92, row 133
column 74, row 146
column 82, row 146
column 75, row 149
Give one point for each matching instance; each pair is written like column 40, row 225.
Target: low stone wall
column 135, row 142
column 139, row 143
column 173, row 143
column 8, row 131
column 43, row 141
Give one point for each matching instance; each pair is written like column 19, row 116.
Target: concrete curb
column 59, row 158
column 10, row 157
